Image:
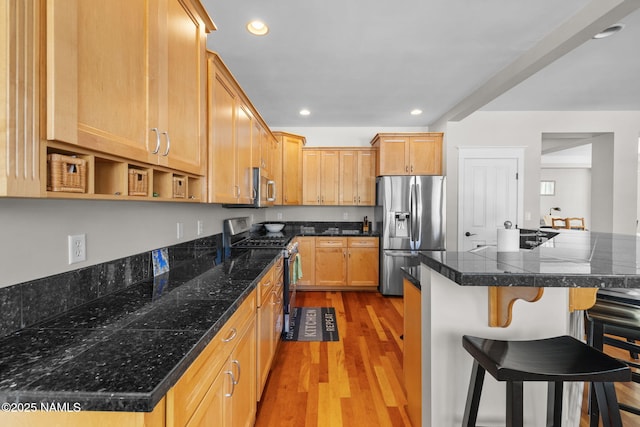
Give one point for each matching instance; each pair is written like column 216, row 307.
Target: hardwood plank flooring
column 355, row 381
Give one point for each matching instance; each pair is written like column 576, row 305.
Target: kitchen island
column 123, row 353
column 457, row 290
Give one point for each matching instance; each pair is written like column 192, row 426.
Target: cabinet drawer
column 265, row 287
column 331, row 242
column 183, row 399
column 362, row 242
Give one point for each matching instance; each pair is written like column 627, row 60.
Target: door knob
column 469, row 234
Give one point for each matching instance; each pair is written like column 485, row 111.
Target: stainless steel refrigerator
column 410, row 217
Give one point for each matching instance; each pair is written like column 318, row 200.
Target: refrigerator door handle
column 412, row 211
column 417, row 229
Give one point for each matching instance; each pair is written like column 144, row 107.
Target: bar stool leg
column 554, row 404
column 515, row 399
column 473, row 395
column 608, row 404
column 596, row 340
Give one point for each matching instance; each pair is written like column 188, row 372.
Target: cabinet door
column 362, row 269
column 97, row 87
column 331, row 266
column 366, row 178
column 182, row 89
column 307, row 253
column 425, row 155
column 329, row 177
column 291, row 171
column 222, row 154
column 243, row 366
column 276, row 168
column 243, row 147
column 394, row 152
column 212, row 410
column 265, row 343
column 311, row 178
column 412, row 359
column 348, row 178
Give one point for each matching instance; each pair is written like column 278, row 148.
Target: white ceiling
column 370, row 62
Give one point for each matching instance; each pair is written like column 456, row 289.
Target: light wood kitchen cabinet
column 220, row 385
column 412, row 354
column 409, row 153
column 289, row 181
column 331, row 261
column 20, row 109
column 320, row 177
column 357, row 177
column 269, row 323
column 230, row 138
column 307, row 253
column 128, row 79
column 362, row 261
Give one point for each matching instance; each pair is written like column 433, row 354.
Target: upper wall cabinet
column 20, row 106
column 358, row 177
column 409, row 153
column 128, row 78
column 288, row 172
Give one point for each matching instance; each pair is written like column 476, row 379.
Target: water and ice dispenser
column 400, row 224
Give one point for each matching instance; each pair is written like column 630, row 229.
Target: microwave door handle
column 271, row 185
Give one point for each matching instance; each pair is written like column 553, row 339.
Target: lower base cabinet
column 412, row 354
column 219, row 388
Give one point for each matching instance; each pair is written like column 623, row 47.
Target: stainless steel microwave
column 264, row 192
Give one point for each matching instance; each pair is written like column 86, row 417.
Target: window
column 547, row 188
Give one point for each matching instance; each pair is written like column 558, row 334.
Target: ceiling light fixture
column 257, row 27
column 416, row 112
column 609, row 31
column 304, row 112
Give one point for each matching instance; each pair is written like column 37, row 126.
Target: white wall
column 319, row 213
column 524, row 129
column 573, row 193
column 34, row 232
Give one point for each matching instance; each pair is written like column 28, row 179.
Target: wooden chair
column 558, row 223
column 578, row 226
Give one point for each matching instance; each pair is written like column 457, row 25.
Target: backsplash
column 27, row 303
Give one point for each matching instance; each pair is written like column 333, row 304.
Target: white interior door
column 489, row 198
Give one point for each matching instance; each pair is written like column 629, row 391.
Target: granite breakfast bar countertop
column 570, row 259
column 123, row 352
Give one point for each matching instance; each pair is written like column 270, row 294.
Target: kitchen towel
column 297, row 269
column 508, row 240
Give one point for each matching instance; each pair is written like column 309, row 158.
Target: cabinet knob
column 406, row 168
column 412, row 168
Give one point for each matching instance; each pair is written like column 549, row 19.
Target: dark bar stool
column 615, row 320
column 554, row 360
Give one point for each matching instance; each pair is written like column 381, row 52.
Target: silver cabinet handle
column 231, row 336
column 233, row 384
column 157, row 140
column 237, row 364
column 166, row 134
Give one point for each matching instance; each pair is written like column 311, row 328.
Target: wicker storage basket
column 179, row 187
column 138, row 182
column 66, row 173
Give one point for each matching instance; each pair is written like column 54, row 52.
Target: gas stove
column 261, row 242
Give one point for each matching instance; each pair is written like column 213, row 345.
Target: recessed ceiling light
column 257, row 27
column 609, row 31
column 304, row 112
column 416, row 112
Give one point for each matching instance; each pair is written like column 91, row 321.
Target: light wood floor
column 356, row 381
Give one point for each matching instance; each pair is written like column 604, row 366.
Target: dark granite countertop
column 313, row 229
column 570, row 259
column 124, row 351
column 412, row 274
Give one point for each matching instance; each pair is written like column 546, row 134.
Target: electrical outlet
column 345, row 215
column 180, row 230
column 200, row 227
column 279, row 215
column 77, row 248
